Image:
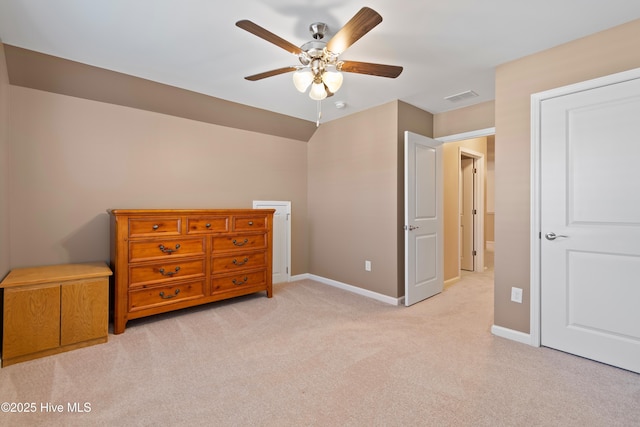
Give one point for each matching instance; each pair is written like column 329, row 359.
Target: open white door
column 423, row 229
column 590, row 223
column 281, row 238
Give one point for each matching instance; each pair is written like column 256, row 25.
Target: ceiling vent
column 461, row 96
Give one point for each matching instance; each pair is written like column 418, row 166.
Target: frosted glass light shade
column 317, row 92
column 333, row 80
column 302, row 79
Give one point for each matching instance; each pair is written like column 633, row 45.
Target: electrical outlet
column 367, row 265
column 516, row 295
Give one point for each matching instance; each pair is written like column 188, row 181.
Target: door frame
column 478, row 219
column 536, row 213
column 287, row 205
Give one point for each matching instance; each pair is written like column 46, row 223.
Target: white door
column 467, row 209
column 590, row 223
column 281, row 238
column 423, row 218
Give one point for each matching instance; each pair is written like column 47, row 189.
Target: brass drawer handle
column 163, row 296
column 169, row 250
column 235, row 261
column 235, row 242
column 169, row 273
column 235, row 282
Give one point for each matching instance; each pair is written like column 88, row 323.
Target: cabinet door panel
column 31, row 320
column 85, row 310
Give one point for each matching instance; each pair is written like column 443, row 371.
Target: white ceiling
column 445, row 46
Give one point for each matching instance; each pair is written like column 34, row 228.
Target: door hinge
column 475, row 212
column 475, row 170
column 475, row 253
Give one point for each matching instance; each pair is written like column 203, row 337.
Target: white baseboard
column 356, row 290
column 450, row 282
column 511, row 334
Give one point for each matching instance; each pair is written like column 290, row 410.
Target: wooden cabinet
column 167, row 259
column 51, row 309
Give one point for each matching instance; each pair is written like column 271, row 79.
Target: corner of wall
column 4, row 165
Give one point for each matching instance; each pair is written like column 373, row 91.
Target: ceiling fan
column 320, row 63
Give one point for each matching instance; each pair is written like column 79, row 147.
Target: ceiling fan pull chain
column 319, row 113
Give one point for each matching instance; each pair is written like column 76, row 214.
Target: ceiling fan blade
column 271, row 73
column 267, row 35
column 361, row 23
column 381, row 70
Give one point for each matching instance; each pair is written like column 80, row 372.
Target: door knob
column 413, row 227
column 553, row 236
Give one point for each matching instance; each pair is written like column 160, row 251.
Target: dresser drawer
column 208, row 224
column 161, row 226
column 238, row 281
column 249, row 222
column 239, row 243
column 164, row 295
column 145, row 274
column 158, row 249
column 229, row 263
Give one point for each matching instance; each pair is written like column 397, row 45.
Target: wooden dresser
column 168, row 259
column 56, row 308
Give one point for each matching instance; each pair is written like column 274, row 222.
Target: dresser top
column 54, row 273
column 144, row 212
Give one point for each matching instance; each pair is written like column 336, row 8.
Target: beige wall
column 355, row 198
column 5, row 260
column 35, row 70
column 352, row 195
column 466, row 119
column 72, row 159
column 611, row 51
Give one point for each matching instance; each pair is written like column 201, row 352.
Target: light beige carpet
column 314, row 355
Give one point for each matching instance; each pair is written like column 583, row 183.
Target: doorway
column 478, row 145
column 471, row 181
column 467, row 212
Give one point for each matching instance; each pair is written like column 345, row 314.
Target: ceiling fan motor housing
column 318, row 30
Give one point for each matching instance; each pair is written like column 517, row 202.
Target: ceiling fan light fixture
column 302, row 78
column 321, row 66
column 317, row 92
column 333, row 80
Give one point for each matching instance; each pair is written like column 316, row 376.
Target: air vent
column 461, row 96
